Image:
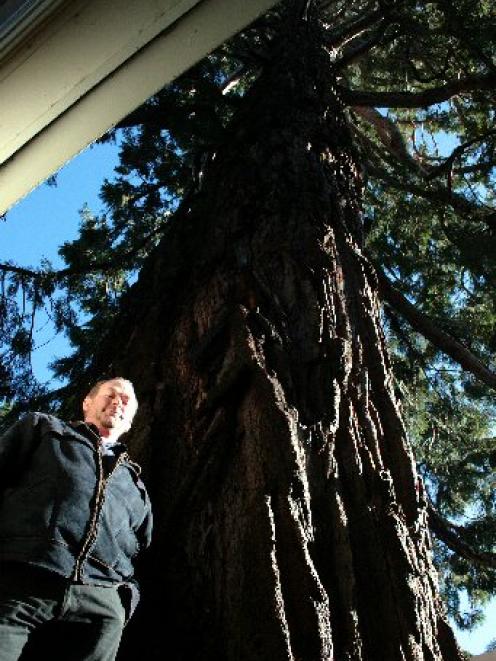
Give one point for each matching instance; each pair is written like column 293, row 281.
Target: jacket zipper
column 99, row 497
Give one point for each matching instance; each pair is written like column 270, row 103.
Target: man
column 73, row 515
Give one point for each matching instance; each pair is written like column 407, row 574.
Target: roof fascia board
column 80, row 47
column 22, row 18
column 193, row 35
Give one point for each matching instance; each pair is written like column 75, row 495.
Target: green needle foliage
column 419, row 80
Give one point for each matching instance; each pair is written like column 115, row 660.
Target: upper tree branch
column 447, row 164
column 420, row 99
column 438, row 195
column 19, row 270
column 389, row 134
column 392, row 140
column 357, row 47
column 58, row 276
column 429, row 329
column 452, row 536
column 336, row 36
column 36, row 276
column 473, row 457
column 469, row 38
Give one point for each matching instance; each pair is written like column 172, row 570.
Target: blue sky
column 46, row 218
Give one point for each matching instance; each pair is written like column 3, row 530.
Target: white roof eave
column 94, row 62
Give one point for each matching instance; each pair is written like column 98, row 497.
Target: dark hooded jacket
column 68, row 505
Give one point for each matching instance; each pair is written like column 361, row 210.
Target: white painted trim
column 83, row 45
column 88, row 105
column 21, row 18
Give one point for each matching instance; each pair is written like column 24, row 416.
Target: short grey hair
column 95, row 388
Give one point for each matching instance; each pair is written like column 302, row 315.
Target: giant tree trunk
column 290, row 521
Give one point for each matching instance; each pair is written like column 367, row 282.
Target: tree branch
column 413, row 354
column 458, row 25
column 338, row 35
column 389, row 135
column 57, row 276
column 482, row 166
column 426, row 327
column 472, row 457
column 452, row 537
column 234, row 79
column 19, row 270
column 447, row 164
column 439, row 195
column 358, row 47
column 420, row 99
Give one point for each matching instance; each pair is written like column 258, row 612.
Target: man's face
column 112, row 408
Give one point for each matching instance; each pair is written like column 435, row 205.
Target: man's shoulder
column 33, row 423
column 46, row 420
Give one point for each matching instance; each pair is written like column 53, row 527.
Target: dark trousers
column 32, row 600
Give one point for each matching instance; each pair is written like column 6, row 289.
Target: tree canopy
column 418, row 82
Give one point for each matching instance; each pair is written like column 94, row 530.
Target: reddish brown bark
column 290, row 520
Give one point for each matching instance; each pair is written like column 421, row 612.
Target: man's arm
column 16, row 444
column 145, row 530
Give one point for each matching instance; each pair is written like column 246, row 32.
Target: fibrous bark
column 291, row 523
